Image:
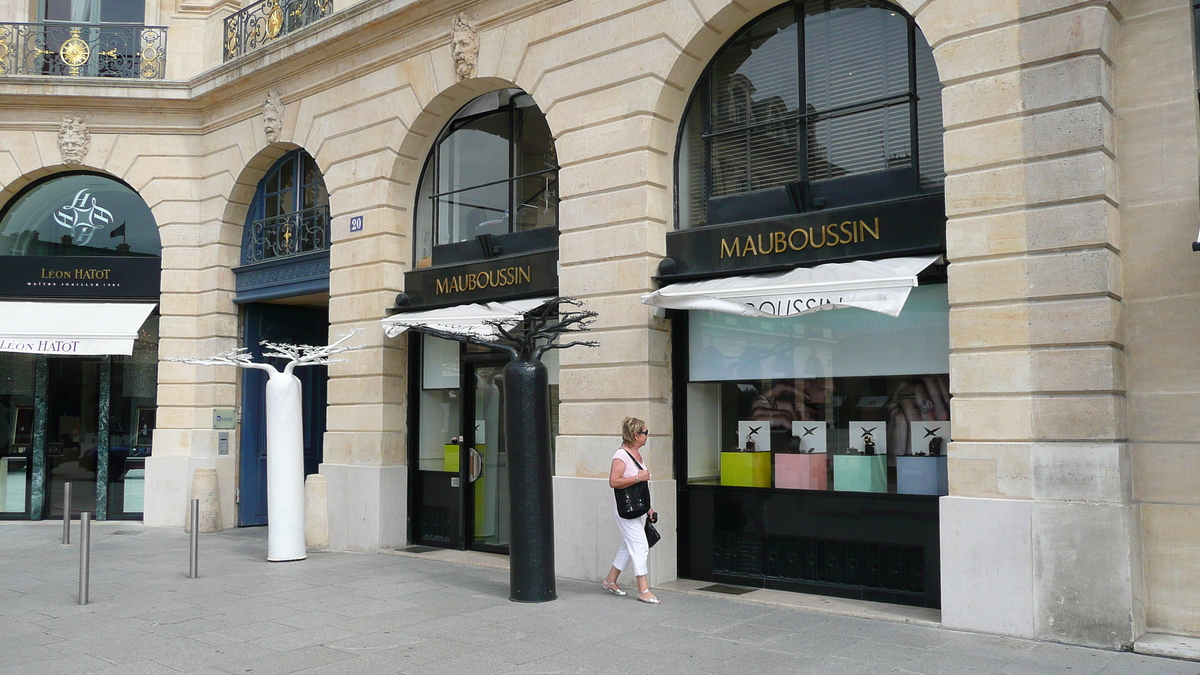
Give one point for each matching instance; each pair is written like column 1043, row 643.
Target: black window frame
column 805, row 194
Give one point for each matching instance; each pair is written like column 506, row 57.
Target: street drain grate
column 727, row 590
column 418, row 549
column 125, row 532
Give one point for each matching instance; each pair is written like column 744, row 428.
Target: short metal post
column 85, row 554
column 194, row 557
column 66, row 513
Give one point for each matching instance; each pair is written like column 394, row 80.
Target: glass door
column 486, row 458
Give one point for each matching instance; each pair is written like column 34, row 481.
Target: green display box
column 451, row 458
column 860, row 473
column 746, row 469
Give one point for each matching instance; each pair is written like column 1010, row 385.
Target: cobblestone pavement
column 375, row 613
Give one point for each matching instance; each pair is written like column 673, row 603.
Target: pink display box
column 802, row 472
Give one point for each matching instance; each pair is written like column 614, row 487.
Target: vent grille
column 824, row 561
column 435, row 523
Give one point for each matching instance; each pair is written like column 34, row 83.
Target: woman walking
column 628, row 468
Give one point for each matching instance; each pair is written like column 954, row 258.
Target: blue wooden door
column 278, row 323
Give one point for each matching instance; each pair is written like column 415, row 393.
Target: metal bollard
column 85, row 554
column 194, row 553
column 66, row 513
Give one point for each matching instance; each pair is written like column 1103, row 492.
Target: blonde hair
column 630, row 427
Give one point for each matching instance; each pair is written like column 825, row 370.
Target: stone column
column 1160, row 211
column 614, row 214
column 198, row 319
column 1039, row 533
column 365, row 465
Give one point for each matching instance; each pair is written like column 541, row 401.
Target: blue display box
column 860, row 473
column 922, row 476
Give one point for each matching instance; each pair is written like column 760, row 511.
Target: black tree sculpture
column 527, row 433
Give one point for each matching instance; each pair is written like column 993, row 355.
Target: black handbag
column 633, row 501
column 652, row 535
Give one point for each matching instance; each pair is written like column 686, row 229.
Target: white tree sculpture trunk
column 285, row 468
column 285, row 435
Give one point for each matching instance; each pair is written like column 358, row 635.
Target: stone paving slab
column 339, row 612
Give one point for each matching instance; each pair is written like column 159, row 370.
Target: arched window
column 493, row 171
column 817, row 104
column 79, row 214
column 290, row 213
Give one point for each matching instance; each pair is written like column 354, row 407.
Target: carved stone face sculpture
column 273, row 116
column 74, row 139
column 465, row 49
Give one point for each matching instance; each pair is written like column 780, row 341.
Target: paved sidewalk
column 374, row 613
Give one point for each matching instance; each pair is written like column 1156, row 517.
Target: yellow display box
column 746, row 469
column 451, row 458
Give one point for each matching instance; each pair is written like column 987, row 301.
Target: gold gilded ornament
column 274, row 20
column 74, row 52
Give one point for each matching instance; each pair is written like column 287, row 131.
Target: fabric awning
column 876, row 285
column 71, row 328
column 463, row 319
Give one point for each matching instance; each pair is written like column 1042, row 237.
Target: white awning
column 71, row 328
column 463, row 319
column 876, row 285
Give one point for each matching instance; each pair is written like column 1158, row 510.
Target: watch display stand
column 860, row 473
column 924, row 470
column 922, row 475
column 802, row 471
column 746, row 469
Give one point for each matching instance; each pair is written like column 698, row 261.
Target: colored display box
column 746, row 469
column 802, row 472
column 450, row 462
column 860, row 473
column 922, row 476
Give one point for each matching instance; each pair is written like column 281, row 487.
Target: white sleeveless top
column 631, row 469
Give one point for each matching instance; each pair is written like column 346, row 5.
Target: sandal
column 612, row 588
column 650, row 601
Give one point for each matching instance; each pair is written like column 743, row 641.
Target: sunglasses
column 644, row 432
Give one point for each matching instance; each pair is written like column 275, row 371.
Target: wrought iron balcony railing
column 291, row 234
column 83, row 50
column 268, row 20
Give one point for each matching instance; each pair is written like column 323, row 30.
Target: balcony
column 83, row 50
column 269, row 20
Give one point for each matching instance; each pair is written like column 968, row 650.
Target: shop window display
column 845, row 400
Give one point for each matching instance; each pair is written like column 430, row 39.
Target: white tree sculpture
column 285, row 435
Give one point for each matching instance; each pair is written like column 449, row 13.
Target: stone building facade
column 1071, row 197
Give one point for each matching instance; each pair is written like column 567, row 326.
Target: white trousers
column 633, row 546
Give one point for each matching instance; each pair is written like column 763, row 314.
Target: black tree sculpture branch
column 533, row 336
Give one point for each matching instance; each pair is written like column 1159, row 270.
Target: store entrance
column 459, row 465
column 284, row 324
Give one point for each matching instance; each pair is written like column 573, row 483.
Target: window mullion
column 802, row 86
column 914, row 129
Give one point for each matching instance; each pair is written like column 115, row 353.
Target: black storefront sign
column 906, row 227
column 517, row 276
column 80, row 277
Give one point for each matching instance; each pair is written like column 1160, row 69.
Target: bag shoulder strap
column 639, row 466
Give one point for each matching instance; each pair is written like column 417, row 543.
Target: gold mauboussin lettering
column 474, row 281
column 800, row 238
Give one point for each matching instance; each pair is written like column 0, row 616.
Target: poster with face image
column 754, row 435
column 868, row 438
column 810, row 436
column 922, row 442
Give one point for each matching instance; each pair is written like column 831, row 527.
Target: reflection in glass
column 79, row 215
column 493, row 172
column 16, row 430
column 491, row 486
column 768, row 116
